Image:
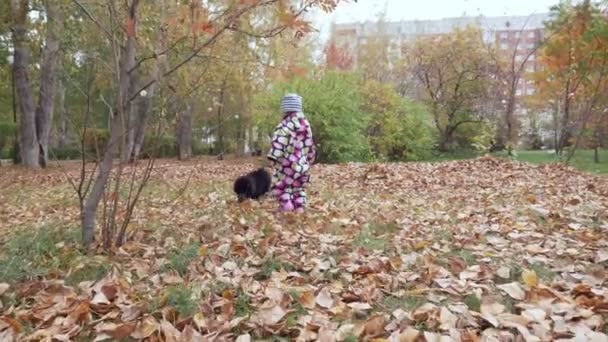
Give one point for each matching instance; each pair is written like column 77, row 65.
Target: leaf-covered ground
column 483, row 249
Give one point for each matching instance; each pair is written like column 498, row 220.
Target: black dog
column 252, row 185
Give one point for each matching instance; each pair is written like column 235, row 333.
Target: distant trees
column 455, row 76
column 573, row 80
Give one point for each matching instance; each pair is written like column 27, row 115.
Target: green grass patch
column 270, row 265
column 375, row 236
column 88, row 271
column 543, row 272
column 472, row 302
column 351, row 338
column 461, row 154
column 41, row 252
column 181, row 298
column 582, row 159
column 243, row 306
column 443, row 235
column 179, row 259
column 406, row 303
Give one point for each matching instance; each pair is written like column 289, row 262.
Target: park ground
column 484, row 248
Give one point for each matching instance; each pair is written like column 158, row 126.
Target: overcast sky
column 428, row 9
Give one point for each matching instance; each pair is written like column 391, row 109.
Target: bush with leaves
column 7, row 134
column 398, row 129
column 332, row 103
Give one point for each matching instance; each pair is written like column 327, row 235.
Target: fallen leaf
column 447, row 319
column 307, row 299
column 529, row 278
column 145, row 328
column 3, row 288
column 324, row 299
column 374, row 326
column 244, row 338
column 504, row 272
column 271, row 315
column 514, row 290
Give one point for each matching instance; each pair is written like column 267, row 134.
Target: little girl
column 292, row 153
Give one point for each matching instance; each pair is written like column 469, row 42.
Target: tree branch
column 90, row 16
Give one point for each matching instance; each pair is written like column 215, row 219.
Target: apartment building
column 515, row 36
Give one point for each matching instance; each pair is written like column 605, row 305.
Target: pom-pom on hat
column 291, row 103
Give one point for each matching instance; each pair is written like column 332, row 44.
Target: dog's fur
column 252, row 185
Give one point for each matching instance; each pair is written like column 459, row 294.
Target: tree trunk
column 240, row 137
column 28, row 144
column 565, row 129
column 89, row 210
column 144, row 104
column 596, row 154
column 128, row 77
column 117, row 130
column 447, row 138
column 48, row 74
column 63, row 118
column 510, row 121
column 184, row 133
column 220, row 120
column 140, row 112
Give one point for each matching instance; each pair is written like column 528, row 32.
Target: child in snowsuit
column 292, row 153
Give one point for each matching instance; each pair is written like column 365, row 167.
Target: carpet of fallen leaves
column 478, row 250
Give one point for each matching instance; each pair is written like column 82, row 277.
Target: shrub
column 398, row 129
column 333, row 105
column 7, row 134
column 159, row 147
column 65, row 153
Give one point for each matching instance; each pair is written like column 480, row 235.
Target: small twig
column 90, row 16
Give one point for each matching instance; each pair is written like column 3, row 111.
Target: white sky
column 427, row 9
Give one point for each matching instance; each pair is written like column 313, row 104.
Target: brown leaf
column 145, row 328
column 121, row 331
column 307, row 299
column 374, row 326
column 110, row 291
column 170, row 333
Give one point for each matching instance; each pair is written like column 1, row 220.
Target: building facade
column 515, row 36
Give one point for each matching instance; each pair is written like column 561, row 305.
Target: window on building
column 518, row 92
column 517, row 34
column 519, row 58
column 504, row 46
column 532, row 57
column 504, row 35
column 530, row 90
column 531, row 34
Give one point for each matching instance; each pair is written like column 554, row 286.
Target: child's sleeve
column 312, row 150
column 278, row 144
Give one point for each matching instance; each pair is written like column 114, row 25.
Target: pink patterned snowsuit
column 293, row 152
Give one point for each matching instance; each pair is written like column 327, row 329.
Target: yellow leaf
column 529, row 277
column 202, row 251
column 420, row 245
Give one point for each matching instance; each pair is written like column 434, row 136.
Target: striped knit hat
column 291, row 103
